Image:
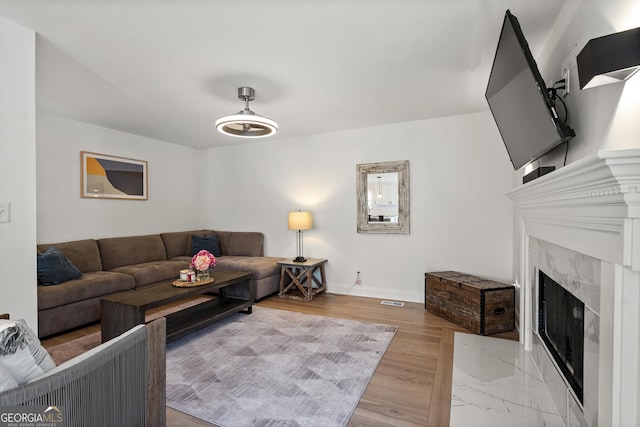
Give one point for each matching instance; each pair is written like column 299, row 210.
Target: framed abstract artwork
column 110, row 177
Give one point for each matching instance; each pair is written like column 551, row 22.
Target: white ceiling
column 167, row 69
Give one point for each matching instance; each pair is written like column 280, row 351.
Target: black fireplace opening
column 561, row 327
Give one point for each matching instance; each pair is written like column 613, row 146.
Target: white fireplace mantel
column 592, row 207
column 597, row 195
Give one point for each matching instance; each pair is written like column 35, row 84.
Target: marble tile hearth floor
column 496, row 383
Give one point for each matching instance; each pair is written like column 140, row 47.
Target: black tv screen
column 519, row 101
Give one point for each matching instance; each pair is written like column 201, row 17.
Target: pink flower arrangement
column 203, row 260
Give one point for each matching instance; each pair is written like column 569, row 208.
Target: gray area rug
column 275, row 368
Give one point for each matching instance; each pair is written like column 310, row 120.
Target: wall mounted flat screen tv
column 519, row 101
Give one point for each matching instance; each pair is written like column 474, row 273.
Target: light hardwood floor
column 412, row 384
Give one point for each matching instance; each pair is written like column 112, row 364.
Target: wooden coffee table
column 123, row 310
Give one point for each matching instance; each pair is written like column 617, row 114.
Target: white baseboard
column 383, row 293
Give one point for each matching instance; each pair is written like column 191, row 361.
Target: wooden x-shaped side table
column 304, row 283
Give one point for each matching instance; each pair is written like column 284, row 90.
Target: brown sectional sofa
column 125, row 263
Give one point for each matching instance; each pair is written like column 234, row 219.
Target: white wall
column 460, row 218
column 63, row 215
column 17, row 172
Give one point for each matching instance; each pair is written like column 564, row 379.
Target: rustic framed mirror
column 383, row 197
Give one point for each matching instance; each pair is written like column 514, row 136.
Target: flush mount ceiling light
column 246, row 123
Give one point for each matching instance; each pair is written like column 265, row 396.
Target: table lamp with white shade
column 299, row 221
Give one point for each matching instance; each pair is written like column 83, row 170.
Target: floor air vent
column 393, row 303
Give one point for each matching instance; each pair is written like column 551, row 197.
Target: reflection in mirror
column 383, row 197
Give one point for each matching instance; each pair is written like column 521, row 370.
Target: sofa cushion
column 175, row 243
column 90, row 285
column 54, row 268
column 84, row 254
column 260, row 266
column 185, row 258
column 120, row 251
column 246, row 243
column 21, row 352
column 224, row 237
column 68, row 316
column 151, row 272
column 208, row 243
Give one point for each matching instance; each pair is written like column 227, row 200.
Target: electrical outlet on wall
column 568, row 64
column 565, row 76
column 358, row 278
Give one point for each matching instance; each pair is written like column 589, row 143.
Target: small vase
column 202, row 275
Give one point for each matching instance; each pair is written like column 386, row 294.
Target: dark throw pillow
column 55, row 268
column 209, row 243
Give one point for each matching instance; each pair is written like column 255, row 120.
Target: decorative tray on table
column 183, row 284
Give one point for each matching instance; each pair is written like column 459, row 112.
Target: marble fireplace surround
column 580, row 225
